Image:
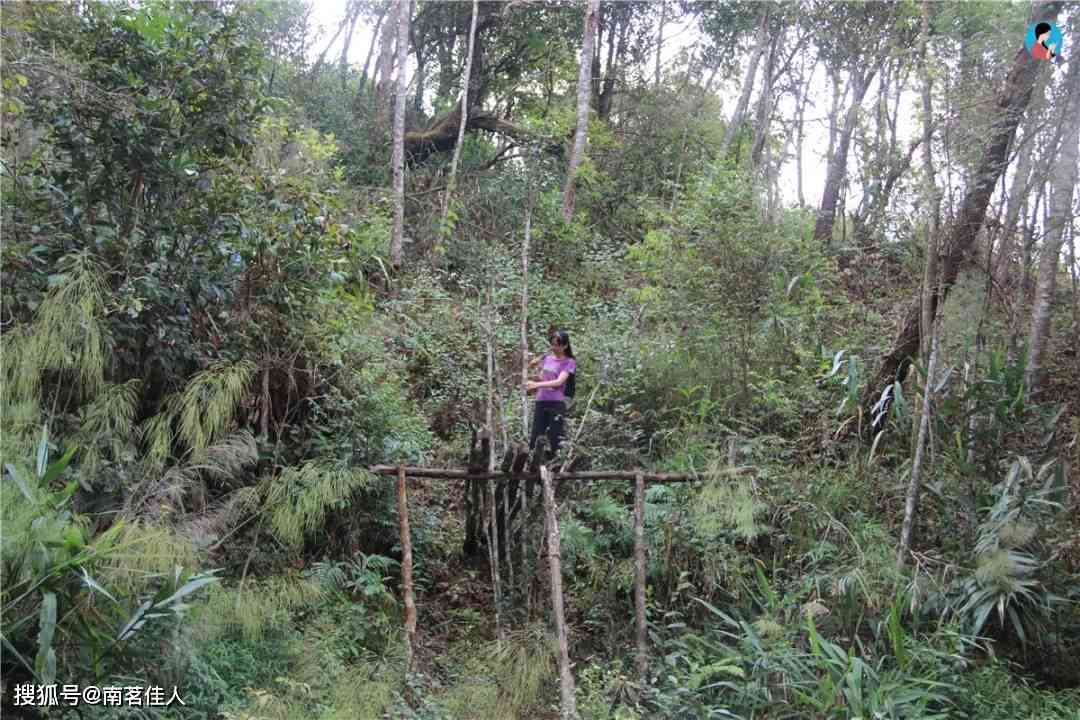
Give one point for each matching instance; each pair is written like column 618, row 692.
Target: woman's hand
column 530, row 386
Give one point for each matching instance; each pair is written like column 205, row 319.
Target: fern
column 226, row 458
column 68, row 336
column 203, row 411
column 109, row 417
column 297, row 500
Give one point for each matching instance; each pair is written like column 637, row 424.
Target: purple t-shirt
column 552, row 367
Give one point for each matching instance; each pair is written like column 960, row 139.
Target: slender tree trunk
column 464, row 116
column 800, row 128
column 421, row 83
column 639, row 579
column 477, row 85
column 526, row 571
column 764, row 108
column 839, row 92
column 371, row 47
column 911, row 504
column 267, row 403
column 1017, row 192
column 1011, row 100
column 582, row 109
column 1063, row 178
column 568, row 702
column 493, row 526
column 615, row 54
column 343, row 64
column 385, row 68
column 1073, row 276
column 660, row 42
column 398, row 161
column 837, row 170
column 406, row 569
column 930, row 194
column 747, row 87
column 322, row 56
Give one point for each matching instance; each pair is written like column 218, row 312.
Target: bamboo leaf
column 189, row 587
column 45, row 664
column 19, row 482
column 43, row 451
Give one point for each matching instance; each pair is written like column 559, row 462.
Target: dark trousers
column 548, row 419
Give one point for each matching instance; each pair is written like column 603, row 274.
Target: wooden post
column 568, row 703
column 406, row 569
column 493, row 519
column 639, row 576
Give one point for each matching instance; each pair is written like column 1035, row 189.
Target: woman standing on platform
column 556, row 384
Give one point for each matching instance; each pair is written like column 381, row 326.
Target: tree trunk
column 660, row 42
column 406, row 569
column 344, row 61
column 371, row 47
column 526, row 571
column 804, row 91
column 445, row 50
column 421, row 82
column 476, row 84
column 747, row 87
column 398, row 161
column 582, row 109
column 930, row 195
column 837, row 169
column 764, row 108
column 1010, row 102
column 616, row 53
column 639, row 579
column 386, row 54
column 322, row 56
column 1017, row 192
column 464, row 116
column 911, row 503
column 493, row 523
column 1063, row 179
column 568, row 702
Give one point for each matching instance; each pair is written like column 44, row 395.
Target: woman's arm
column 557, row 382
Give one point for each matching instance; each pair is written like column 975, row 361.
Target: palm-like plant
column 1005, row 580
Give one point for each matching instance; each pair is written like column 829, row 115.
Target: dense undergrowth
column 205, row 351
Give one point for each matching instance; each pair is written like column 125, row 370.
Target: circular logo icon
column 1043, row 40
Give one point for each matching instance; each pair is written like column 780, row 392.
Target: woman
column 1041, row 50
column 556, row 368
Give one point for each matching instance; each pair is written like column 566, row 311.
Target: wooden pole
column 655, row 478
column 406, row 569
column 493, row 523
column 911, row 503
column 639, row 573
column 568, row 702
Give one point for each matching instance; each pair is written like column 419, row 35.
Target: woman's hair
column 564, row 340
column 1041, row 28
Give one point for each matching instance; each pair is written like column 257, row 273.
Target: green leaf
column 45, row 664
column 43, row 451
column 94, row 585
column 189, row 587
column 58, row 467
column 134, row 623
column 19, row 482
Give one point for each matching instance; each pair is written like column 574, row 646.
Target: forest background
column 820, row 256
